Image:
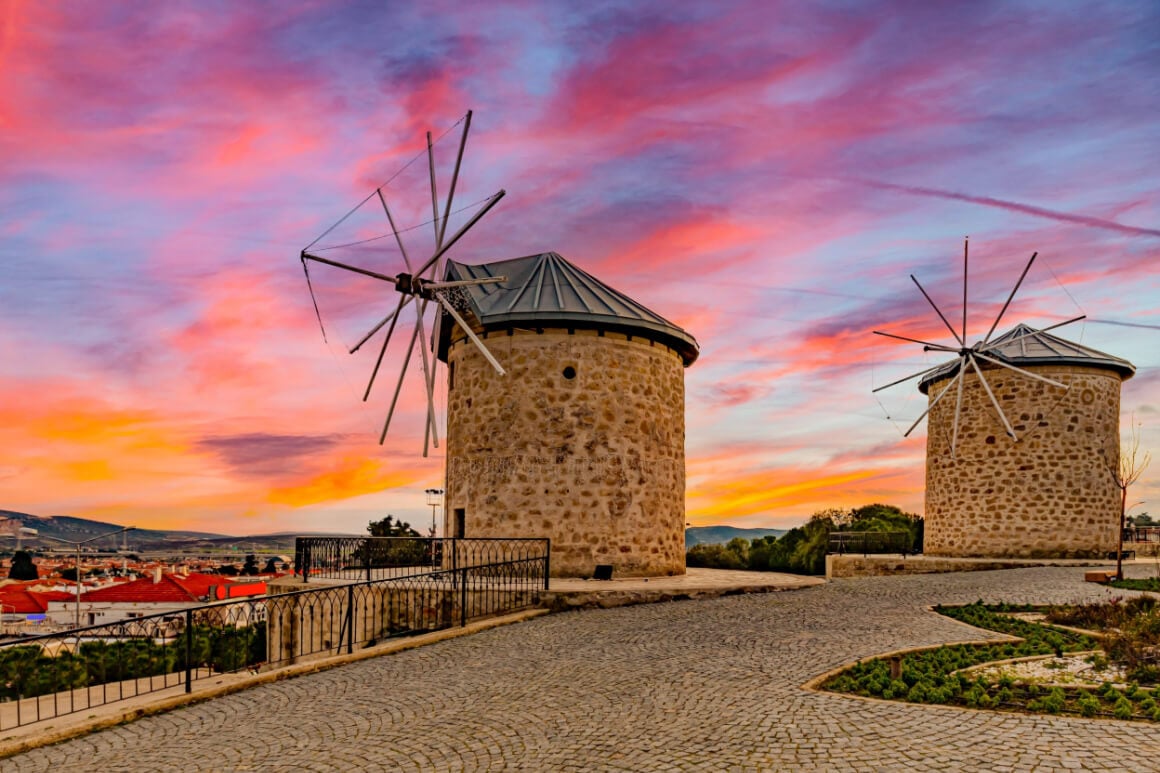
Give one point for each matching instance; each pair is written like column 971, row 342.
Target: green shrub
column 1088, row 704
column 1055, row 701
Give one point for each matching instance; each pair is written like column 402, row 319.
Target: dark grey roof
column 1023, row 345
column 545, row 290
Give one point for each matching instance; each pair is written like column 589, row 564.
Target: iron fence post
column 349, row 619
column 188, row 650
column 547, row 561
column 463, row 599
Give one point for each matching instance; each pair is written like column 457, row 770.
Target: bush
column 1088, row 704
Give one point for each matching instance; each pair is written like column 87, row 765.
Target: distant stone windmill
column 1020, row 427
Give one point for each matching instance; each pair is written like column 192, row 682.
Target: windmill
column 977, row 357
column 418, row 286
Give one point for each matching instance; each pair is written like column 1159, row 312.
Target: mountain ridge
column 719, row 535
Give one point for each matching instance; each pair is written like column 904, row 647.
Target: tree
column 22, row 567
column 250, row 568
column 1125, row 471
column 407, row 549
column 388, row 527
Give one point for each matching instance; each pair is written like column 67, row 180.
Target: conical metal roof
column 1024, row 346
column 546, row 290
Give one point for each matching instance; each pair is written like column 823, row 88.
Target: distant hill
column 71, row 529
column 719, row 535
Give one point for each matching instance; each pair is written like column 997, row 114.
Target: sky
column 765, row 175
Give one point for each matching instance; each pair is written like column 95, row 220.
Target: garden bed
column 1011, row 675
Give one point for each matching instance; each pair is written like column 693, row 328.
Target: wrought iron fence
column 868, row 542
column 1142, row 534
column 371, row 558
column 47, row 676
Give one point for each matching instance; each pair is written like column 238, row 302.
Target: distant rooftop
column 546, row 290
column 1023, row 345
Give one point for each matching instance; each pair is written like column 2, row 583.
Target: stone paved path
column 701, row 685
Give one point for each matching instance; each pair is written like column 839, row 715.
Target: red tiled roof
column 26, row 602
column 171, row 588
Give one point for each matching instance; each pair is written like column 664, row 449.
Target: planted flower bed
column 940, row 675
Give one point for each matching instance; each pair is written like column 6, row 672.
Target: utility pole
column 77, row 546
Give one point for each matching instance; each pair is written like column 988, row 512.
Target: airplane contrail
column 1027, row 209
column 1122, row 324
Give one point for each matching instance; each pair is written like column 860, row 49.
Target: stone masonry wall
column 1049, row 494
column 583, row 442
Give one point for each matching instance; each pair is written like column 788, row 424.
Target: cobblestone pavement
column 700, row 685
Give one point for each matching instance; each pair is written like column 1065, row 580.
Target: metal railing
column 371, row 558
column 871, row 542
column 1142, row 534
column 51, row 675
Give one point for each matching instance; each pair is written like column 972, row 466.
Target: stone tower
column 1048, row 494
column 583, row 441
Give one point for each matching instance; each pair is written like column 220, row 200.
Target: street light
column 434, row 499
column 77, row 546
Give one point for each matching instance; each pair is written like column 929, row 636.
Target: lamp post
column 434, row 499
column 77, row 546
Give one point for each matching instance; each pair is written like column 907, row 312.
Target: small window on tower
column 569, row 373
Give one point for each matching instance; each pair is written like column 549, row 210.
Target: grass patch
column 935, row 675
column 1149, row 583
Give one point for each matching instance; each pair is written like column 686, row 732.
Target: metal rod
column 1027, row 373
column 395, row 230
column 434, row 194
column 345, row 267
column 935, row 401
column 491, row 280
column 383, row 349
column 938, row 347
column 966, row 244
column 430, row 424
column 1010, row 297
column 936, row 310
column 403, row 301
column 458, row 234
column 454, row 177
column 908, row 378
column 995, row 343
column 399, row 386
column 994, row 402
column 470, row 334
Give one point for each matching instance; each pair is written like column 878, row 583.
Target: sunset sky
column 764, row 174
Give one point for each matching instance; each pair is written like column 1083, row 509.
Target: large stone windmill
column 583, row 439
column 1021, row 431
column 566, row 398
